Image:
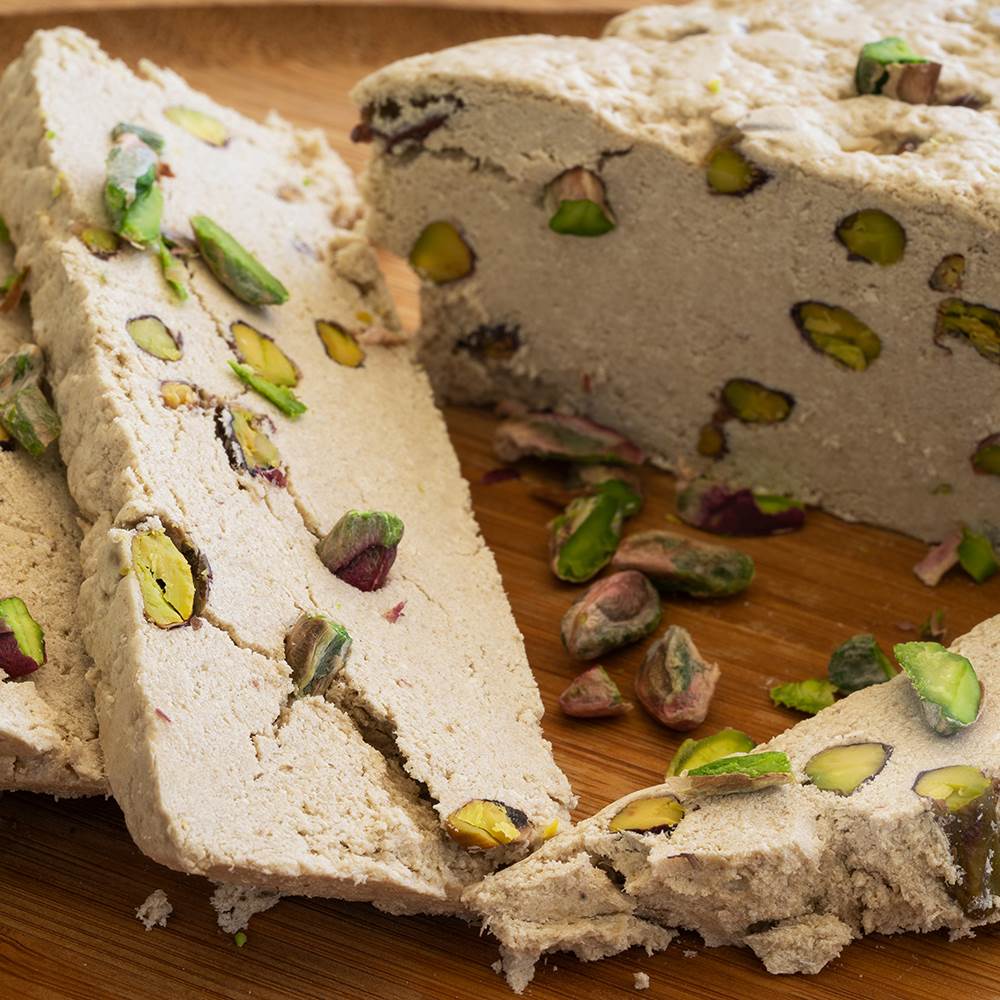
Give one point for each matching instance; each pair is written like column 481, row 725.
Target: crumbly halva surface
column 643, row 325
column 794, row 872
column 217, row 769
column 48, row 730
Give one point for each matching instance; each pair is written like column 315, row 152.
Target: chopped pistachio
column 725, row 510
column 712, row 441
column 675, row 683
column 174, row 272
column 978, row 324
column 729, row 172
column 696, row 753
column 199, row 124
column 578, row 205
column 986, row 459
column 340, row 346
column 809, row 696
column 593, row 695
column 891, row 68
column 247, row 444
column 281, row 396
column 132, row 195
column 754, row 403
column 837, row 333
column 946, row 683
column 316, row 648
column 939, row 559
column 949, row 273
column 361, row 547
column 615, row 611
column 584, row 537
column 27, row 416
column 561, row 437
column 844, row 768
column 653, row 814
column 859, row 663
column 102, row 243
column 750, row 772
column 178, row 394
column 976, row 555
column 235, row 267
column 872, row 235
column 152, row 335
column 13, row 290
column 22, row 642
column 263, row 355
column 152, row 139
column 166, row 581
column 441, row 255
column 485, row 824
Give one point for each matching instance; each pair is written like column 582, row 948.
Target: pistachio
column 696, row 753
column 263, row 355
column 247, row 444
column 859, row 663
column 491, row 343
column 485, row 824
column 102, row 243
column 577, row 204
column 932, row 628
column 174, row 271
column 754, row 403
column 653, row 814
column 166, row 581
column 615, row 611
column 949, row 273
column 809, row 696
column 837, row 333
column 844, row 768
column 340, row 346
column 22, row 642
column 361, row 547
column 946, row 683
column 560, row 487
column 891, row 68
column 726, row 510
column 729, row 172
column 873, row 236
column 712, row 441
column 152, row 139
column 978, row 324
column 198, row 124
column 593, row 695
column 281, row 396
column 676, row 564
column 441, row 255
column 28, row 418
column 13, row 290
column 151, row 334
column 132, row 195
column 316, row 648
column 939, row 559
column 751, row 772
column 986, row 459
column 21, row 367
column 584, row 537
column 675, row 683
column 235, row 267
column 178, row 394
column 976, row 555
column 561, row 437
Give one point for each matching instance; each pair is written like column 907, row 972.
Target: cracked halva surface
column 641, row 328
column 215, row 770
column 48, row 730
column 793, row 872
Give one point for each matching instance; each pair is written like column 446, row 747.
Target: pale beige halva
column 217, row 769
column 643, row 327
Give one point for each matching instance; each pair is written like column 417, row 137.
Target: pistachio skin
column 25, row 413
column 615, row 611
column 859, row 663
column 675, row 683
column 593, row 695
column 939, row 559
column 235, row 267
column 578, row 205
column 361, row 548
column 726, row 510
column 316, row 648
column 564, row 438
column 22, row 642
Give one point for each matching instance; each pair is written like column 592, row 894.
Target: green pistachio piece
column 174, row 272
column 316, row 648
column 564, row 438
column 13, row 289
column 891, row 68
column 166, row 582
column 949, row 274
column 844, row 768
column 696, row 753
column 485, row 824
column 584, row 537
column 872, row 235
column 986, row 459
column 247, row 444
column 132, row 195
column 859, row 663
column 752, row 772
column 978, row 324
column 198, row 124
column 946, row 683
column 976, row 555
column 282, row 397
column 263, row 355
column 810, row 696
column 152, row 139
column 153, row 336
column 729, row 172
column 27, row 417
column 102, row 243
column 754, row 403
column 441, row 255
column 615, row 611
column 578, row 205
column 235, row 267
column 22, row 642
column 361, row 547
column 837, row 333
column 340, row 346
column 653, row 814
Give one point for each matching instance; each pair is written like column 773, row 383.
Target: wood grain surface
column 70, row 878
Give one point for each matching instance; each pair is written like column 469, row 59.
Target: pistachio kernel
column 564, row 438
column 22, row 641
column 491, row 343
column 949, row 274
column 745, row 772
column 844, row 768
column 577, row 204
column 235, row 267
column 654, row 814
column 809, row 696
column 978, row 324
column 712, row 441
column 281, row 396
column 263, row 355
column 986, row 459
column 199, row 124
column 675, row 683
column 179, row 394
column 340, row 346
column 247, row 445
column 696, row 753
column 873, row 236
column 859, row 663
column 754, row 403
column 152, row 139
column 584, row 537
column 12, row 290
column 166, row 581
column 593, row 695
column 976, row 555
column 485, row 824
column 316, row 648
column 891, row 68
column 361, row 547
column 837, row 333
column 102, row 243
column 950, row 693
column 729, row 172
column 25, row 414
column 132, row 195
column 152, row 335
column 726, row 510
column 441, row 255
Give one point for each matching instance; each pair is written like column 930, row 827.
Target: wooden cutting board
column 70, row 878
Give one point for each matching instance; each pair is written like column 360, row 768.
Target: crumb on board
column 497, row 966
column 690, row 953
column 641, row 980
column 236, row 904
column 154, row 910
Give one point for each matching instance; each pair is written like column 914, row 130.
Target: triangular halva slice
column 795, row 871
column 208, row 503
column 48, row 731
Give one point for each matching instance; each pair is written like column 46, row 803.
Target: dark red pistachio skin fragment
column 724, row 510
column 361, row 548
column 593, row 695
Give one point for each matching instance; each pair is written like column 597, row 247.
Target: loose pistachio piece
column 12, row 290
column 263, row 355
column 28, row 418
column 584, row 537
column 752, row 772
column 498, row 342
column 978, row 324
column 872, row 235
column 165, row 579
column 132, row 195
column 949, row 273
column 729, row 172
column 485, row 824
column 578, row 205
column 754, row 403
column 615, row 611
column 712, row 441
column 174, row 271
column 152, row 335
column 891, row 68
column 441, row 255
column 281, row 396
column 696, row 753
column 235, row 267
column 247, row 445
column 179, row 394
column 676, row 564
column 152, row 139
column 939, row 559
column 986, row 459
column 809, row 696
column 22, row 642
column 932, row 628
column 653, row 814
column 560, row 437
column 725, row 510
column 859, row 663
column 102, row 243
column 198, row 124
column 675, row 683
column 845, row 768
column 837, row 333
column 361, row 547
column 577, row 480
column 340, row 346
column 976, row 555
column 946, row 683
column 964, row 802
column 593, row 695
column 316, row 648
